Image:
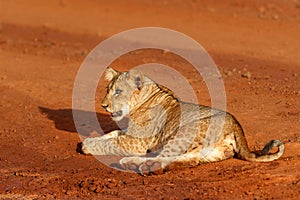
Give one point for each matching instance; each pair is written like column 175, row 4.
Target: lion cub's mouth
column 117, row 114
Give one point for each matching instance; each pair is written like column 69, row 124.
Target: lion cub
column 175, row 132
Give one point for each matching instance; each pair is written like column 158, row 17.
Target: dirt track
column 43, row 44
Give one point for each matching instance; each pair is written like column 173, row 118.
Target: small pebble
column 275, row 17
column 262, row 9
column 246, row 75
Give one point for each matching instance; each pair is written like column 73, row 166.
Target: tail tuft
column 270, row 145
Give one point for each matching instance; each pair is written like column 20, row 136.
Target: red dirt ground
column 42, row 45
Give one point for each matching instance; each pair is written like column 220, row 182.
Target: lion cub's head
column 121, row 88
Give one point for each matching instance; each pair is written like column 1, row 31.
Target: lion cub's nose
column 104, row 105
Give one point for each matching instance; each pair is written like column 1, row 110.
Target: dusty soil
column 42, row 45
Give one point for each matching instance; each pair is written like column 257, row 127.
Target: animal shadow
column 88, row 121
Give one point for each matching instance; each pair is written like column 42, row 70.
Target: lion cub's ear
column 137, row 77
column 110, row 73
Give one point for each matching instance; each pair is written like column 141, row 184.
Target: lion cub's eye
column 117, row 92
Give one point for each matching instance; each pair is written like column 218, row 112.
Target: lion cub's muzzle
column 117, row 114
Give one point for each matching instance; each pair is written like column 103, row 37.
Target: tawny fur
column 175, row 132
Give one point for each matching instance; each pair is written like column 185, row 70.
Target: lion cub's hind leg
column 222, row 150
column 147, row 165
column 174, row 154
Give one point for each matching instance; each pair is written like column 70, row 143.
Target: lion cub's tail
column 243, row 151
column 265, row 156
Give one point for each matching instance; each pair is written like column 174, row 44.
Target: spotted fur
column 175, row 132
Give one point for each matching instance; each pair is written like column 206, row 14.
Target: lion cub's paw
column 151, row 167
column 142, row 165
column 131, row 163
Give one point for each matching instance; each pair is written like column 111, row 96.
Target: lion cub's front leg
column 116, row 143
column 89, row 144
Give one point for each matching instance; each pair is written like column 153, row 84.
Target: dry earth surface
column 254, row 43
